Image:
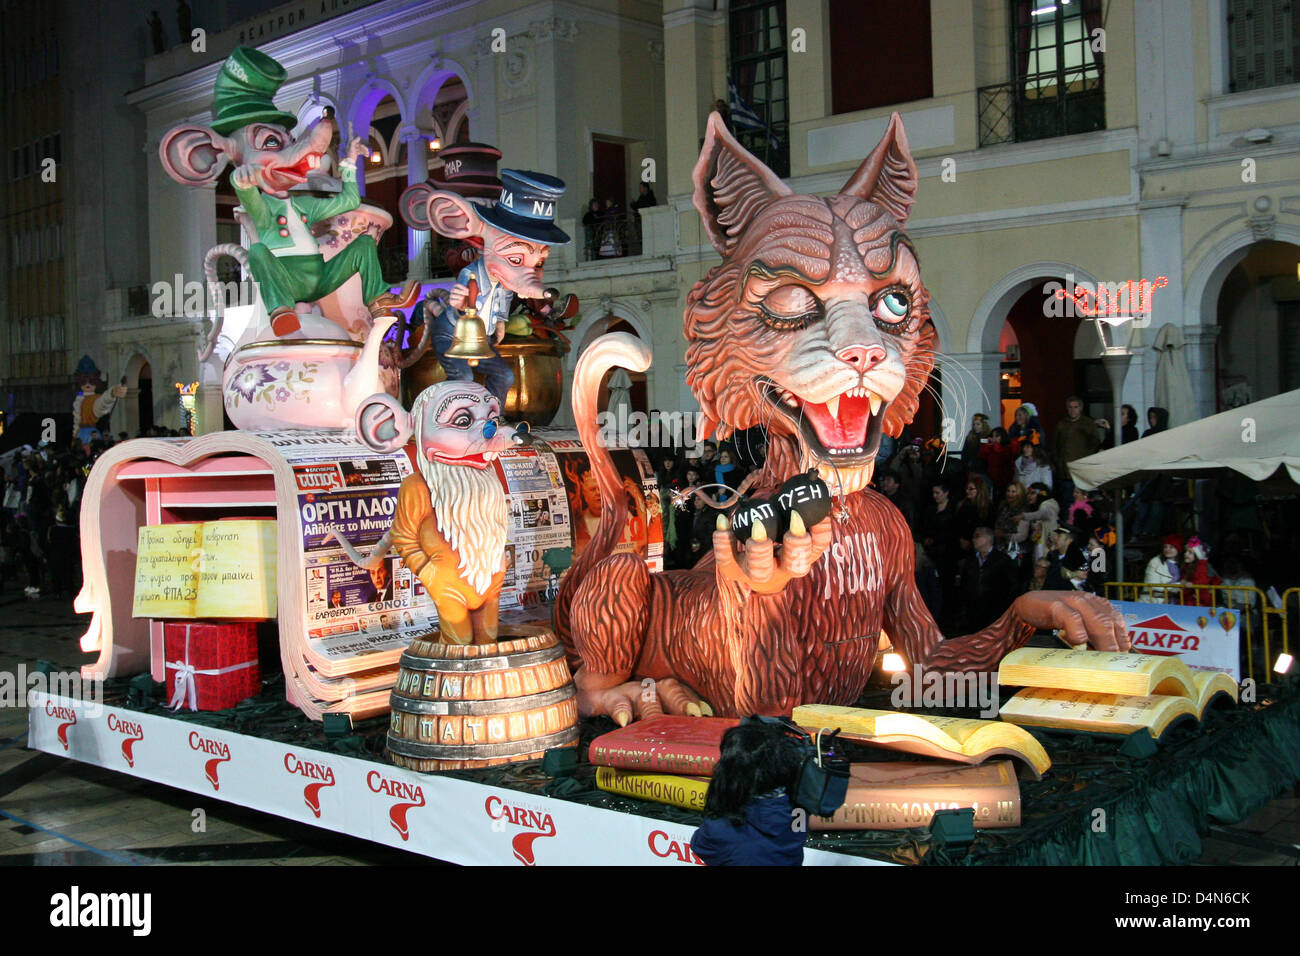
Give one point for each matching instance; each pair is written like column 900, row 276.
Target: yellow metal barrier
column 1258, row 618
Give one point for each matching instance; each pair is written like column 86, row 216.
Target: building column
column 695, row 76
column 1200, row 341
column 1160, row 224
column 971, row 383
column 417, row 171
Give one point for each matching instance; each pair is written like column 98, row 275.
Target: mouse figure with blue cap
column 517, row 235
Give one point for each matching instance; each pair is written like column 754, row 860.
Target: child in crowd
column 749, row 819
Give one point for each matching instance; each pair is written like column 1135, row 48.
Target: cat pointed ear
column 731, row 186
column 888, row 176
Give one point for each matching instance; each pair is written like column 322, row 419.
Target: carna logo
column 216, row 750
column 132, row 733
column 321, row 776
column 408, row 795
column 65, row 714
column 536, row 824
column 665, row 847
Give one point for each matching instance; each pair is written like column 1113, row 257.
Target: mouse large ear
column 452, row 216
column 382, row 423
column 193, row 155
column 414, row 204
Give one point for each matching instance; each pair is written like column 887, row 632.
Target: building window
column 862, row 31
column 758, row 94
column 1058, row 73
column 1263, row 44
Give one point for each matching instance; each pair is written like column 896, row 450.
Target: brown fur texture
column 788, row 327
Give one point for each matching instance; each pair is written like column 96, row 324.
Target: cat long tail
column 609, row 351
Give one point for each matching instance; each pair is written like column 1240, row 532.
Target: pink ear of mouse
column 453, row 422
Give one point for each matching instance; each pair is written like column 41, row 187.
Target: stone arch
column 433, row 77
column 941, row 326
column 1206, row 278
column 986, row 322
column 602, row 316
column 364, row 101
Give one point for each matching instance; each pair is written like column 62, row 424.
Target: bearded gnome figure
column 816, row 326
column 450, row 522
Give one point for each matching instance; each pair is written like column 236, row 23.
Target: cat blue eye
column 896, row 303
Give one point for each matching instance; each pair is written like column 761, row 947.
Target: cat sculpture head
column 816, row 323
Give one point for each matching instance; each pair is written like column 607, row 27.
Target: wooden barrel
column 463, row 706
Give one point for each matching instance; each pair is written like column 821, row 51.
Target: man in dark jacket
column 1076, row 436
column 891, row 489
column 987, row 583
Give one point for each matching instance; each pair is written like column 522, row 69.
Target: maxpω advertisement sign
column 1205, row 638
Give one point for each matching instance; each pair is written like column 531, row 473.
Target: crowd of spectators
column 40, row 511
column 998, row 519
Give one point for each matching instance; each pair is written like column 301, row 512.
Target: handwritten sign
column 221, row 569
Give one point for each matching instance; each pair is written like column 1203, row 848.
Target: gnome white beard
column 469, row 507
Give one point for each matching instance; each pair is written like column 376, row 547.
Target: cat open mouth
column 846, row 429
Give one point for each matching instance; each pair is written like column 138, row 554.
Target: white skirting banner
column 437, row 816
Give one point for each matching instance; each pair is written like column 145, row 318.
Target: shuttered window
column 1262, row 44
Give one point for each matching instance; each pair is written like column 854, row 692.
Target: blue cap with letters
column 526, row 207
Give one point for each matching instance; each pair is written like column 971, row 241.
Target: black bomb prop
column 803, row 494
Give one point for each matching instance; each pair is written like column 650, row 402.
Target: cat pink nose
column 862, row 357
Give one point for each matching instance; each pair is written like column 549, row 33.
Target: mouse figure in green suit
column 252, row 134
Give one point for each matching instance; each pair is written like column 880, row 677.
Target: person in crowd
column 1061, row 540
column 645, row 199
column 975, row 509
column 975, row 438
column 1150, row 495
column 928, row 584
column 1128, row 427
column 1157, row 421
column 1196, row 569
column 939, row 535
column 1025, row 429
column 25, row 551
column 986, row 583
column 906, row 464
column 891, row 489
column 1080, row 512
column 1076, row 436
column 749, row 818
column 63, row 555
column 1038, row 579
column 998, row 456
column 591, row 220
column 1074, row 574
column 1032, row 466
column 1164, row 568
column 1010, row 529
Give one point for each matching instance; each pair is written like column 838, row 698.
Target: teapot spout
column 363, row 380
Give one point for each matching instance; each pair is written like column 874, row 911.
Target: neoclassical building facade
column 1057, row 145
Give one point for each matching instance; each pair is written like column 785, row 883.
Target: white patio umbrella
column 1173, row 380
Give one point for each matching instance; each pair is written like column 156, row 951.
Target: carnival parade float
column 385, row 605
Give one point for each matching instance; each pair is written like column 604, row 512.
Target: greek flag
column 744, row 118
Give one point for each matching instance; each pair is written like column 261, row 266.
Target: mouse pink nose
column 862, row 357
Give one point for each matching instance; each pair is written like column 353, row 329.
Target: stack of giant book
column 671, row 760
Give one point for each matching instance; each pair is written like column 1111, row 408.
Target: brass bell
column 470, row 341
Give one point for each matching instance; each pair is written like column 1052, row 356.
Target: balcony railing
column 613, row 237
column 1041, row 107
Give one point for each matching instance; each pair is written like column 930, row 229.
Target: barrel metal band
column 416, row 663
column 510, row 748
column 504, row 705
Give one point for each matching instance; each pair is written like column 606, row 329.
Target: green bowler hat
column 243, row 92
